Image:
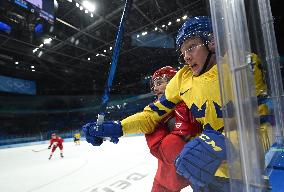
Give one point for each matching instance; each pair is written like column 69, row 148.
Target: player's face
column 159, row 86
column 194, row 53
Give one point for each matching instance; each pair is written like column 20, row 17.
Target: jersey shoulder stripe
column 167, row 103
column 157, row 110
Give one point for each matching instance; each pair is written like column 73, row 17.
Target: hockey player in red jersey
column 168, row 139
column 55, row 142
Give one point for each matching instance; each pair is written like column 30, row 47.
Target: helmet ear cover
column 181, row 59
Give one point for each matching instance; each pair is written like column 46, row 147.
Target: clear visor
column 188, row 50
column 158, row 81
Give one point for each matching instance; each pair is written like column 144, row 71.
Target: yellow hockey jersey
column 202, row 96
column 77, row 135
column 200, row 93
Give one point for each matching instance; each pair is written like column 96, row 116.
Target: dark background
column 70, row 72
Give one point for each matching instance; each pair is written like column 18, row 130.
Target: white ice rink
column 124, row 167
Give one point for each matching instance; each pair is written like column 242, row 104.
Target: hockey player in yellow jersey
column 202, row 160
column 199, row 76
column 76, row 138
column 265, row 112
column 197, row 85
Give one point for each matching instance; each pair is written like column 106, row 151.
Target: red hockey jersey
column 166, row 142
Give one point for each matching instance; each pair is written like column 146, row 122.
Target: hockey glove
column 49, row 147
column 201, row 157
column 108, row 129
column 185, row 126
column 95, row 141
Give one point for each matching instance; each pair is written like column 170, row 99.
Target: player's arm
column 146, row 121
column 258, row 75
column 143, row 122
column 154, row 140
column 50, row 143
column 185, row 127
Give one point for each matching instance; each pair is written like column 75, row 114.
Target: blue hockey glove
column 108, row 129
column 201, row 157
column 95, row 141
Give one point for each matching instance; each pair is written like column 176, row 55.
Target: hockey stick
column 39, row 150
column 118, row 41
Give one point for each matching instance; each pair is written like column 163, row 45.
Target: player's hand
column 108, row 129
column 201, row 157
column 95, row 141
column 185, row 125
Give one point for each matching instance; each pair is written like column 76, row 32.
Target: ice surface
column 124, row 167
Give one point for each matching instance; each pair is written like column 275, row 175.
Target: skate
column 61, row 155
column 49, row 157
